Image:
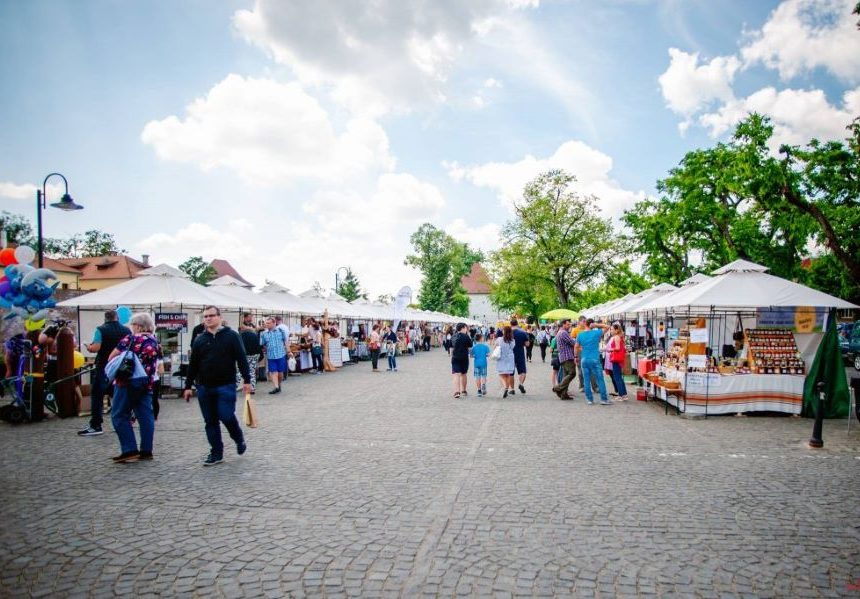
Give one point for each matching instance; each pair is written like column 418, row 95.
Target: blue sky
column 292, row 138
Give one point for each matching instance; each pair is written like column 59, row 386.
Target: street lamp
column 65, row 203
column 337, row 280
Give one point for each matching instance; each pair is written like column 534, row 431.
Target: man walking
column 565, row 345
column 588, row 345
column 274, row 343
column 574, row 332
column 521, row 341
column 215, row 355
column 105, row 340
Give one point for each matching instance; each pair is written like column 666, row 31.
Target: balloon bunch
column 24, row 290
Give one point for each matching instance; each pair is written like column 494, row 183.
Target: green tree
column 198, row 270
column 385, row 298
column 557, row 240
column 618, row 282
column 443, row 261
column 18, row 229
column 350, row 288
column 90, row 244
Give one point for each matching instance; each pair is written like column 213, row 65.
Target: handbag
column 291, row 363
column 124, row 367
column 250, row 412
column 497, row 352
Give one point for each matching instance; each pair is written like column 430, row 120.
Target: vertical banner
column 403, row 299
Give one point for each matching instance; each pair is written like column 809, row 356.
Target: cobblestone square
column 366, row 485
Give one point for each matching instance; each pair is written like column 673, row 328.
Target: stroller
column 19, row 386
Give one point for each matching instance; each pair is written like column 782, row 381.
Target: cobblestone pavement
column 363, row 484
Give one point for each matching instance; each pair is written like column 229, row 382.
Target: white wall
column 482, row 310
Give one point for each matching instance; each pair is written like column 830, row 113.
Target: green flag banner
column 827, row 367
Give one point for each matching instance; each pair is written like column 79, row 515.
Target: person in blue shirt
column 480, row 351
column 588, row 347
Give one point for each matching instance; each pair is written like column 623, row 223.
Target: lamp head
column 67, row 203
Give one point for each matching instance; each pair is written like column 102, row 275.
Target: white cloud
column 797, row 115
column 197, row 239
column 802, row 35
column 484, row 237
column 591, row 167
column 688, row 86
column 27, row 191
column 268, row 132
column 376, row 57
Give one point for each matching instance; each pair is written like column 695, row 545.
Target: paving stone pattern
column 361, row 484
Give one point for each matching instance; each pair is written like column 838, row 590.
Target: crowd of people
column 590, row 348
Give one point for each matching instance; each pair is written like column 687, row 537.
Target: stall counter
column 730, row 394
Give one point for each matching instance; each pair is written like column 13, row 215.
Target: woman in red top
column 617, row 355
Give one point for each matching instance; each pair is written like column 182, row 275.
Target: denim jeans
column 218, row 404
column 592, row 369
column 133, row 397
column 618, row 378
column 100, row 385
column 392, row 359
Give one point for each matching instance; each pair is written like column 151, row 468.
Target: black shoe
column 512, row 392
column 126, row 456
column 505, row 394
column 90, row 432
column 241, row 448
column 275, row 391
column 464, row 393
column 145, row 455
column 211, row 460
column 522, row 389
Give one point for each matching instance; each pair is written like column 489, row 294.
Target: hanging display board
column 797, row 320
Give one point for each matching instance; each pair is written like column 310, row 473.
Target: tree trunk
column 831, row 240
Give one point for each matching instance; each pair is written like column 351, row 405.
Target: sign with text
column 171, row 321
column 698, row 335
column 701, row 379
column 798, row 320
column 697, row 361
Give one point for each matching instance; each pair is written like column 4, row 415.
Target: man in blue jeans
column 215, row 354
column 588, row 347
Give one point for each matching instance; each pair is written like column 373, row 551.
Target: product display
column 773, row 352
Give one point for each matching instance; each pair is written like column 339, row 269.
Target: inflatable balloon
column 124, row 314
column 24, row 254
column 5, row 287
column 34, row 325
column 79, row 360
column 7, row 256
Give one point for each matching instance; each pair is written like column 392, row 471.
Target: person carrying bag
column 133, row 366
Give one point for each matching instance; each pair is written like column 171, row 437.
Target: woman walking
column 373, row 347
column 617, row 354
column 134, row 395
column 317, row 348
column 505, row 363
column 390, row 339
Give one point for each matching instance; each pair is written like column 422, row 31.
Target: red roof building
column 477, row 281
column 103, row 271
column 222, row 267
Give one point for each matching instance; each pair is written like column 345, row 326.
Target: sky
column 295, row 137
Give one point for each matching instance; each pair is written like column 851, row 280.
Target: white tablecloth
column 730, row 394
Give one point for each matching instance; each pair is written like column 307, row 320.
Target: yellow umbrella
column 559, row 313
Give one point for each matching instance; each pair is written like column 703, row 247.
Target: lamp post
column 65, row 203
column 337, row 280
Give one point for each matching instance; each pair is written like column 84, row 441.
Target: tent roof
column 740, row 266
column 748, row 289
column 225, row 281
column 160, row 287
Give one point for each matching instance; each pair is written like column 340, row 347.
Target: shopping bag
column 250, row 412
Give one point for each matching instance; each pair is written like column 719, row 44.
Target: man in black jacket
column 105, row 340
column 215, row 354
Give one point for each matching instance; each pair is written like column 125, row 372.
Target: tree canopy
column 556, row 245
column 198, row 270
column 443, row 261
column 350, row 288
column 739, row 199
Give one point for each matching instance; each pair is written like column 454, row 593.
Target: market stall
column 742, row 342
